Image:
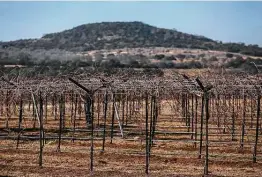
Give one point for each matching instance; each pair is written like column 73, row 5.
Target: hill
column 116, row 35
column 134, row 45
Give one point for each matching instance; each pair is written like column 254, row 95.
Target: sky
column 223, row 21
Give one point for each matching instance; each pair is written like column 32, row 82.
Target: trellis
column 209, row 99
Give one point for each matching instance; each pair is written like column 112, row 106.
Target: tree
column 25, row 59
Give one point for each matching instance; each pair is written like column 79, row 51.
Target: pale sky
column 225, row 21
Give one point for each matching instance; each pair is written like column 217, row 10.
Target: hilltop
column 116, row 35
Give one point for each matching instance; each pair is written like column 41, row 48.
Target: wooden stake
column 207, row 143
column 257, row 126
column 105, row 112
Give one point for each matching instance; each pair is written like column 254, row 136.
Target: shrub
column 159, row 57
column 213, row 58
column 236, row 63
column 172, row 57
column 229, row 55
column 202, row 55
column 194, row 64
column 181, row 56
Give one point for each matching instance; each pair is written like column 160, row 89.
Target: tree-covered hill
column 113, row 35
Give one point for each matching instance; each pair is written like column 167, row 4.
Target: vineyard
column 176, row 125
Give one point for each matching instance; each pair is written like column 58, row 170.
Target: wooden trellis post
column 20, row 120
column 61, row 117
column 243, row 122
column 147, row 138
column 206, row 100
column 207, row 142
column 41, row 129
column 196, row 106
column 192, row 116
column 90, row 110
column 92, row 134
column 233, row 120
column 257, row 125
column 113, row 119
column 74, row 121
column 153, row 124
column 105, row 112
column 201, row 126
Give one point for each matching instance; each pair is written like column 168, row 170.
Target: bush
column 247, row 52
column 235, row 63
column 110, row 55
column 258, row 53
column 134, row 64
column 194, row 64
column 159, row 57
column 202, row 55
column 181, row 56
column 233, row 48
column 172, row 57
column 8, row 62
column 229, row 55
column 152, row 72
column 249, row 67
column 213, row 58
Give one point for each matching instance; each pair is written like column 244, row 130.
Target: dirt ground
column 121, row 158
column 126, row 157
